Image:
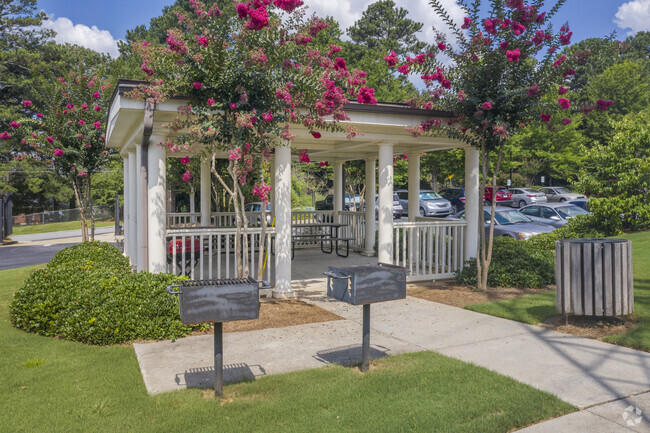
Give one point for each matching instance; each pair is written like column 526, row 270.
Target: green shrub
column 95, row 252
column 582, row 226
column 82, row 299
column 616, row 214
column 514, row 264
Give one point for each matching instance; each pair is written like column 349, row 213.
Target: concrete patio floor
column 601, row 378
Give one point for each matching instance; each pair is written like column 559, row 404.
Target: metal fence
column 102, row 213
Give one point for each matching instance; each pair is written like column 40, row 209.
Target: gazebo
column 431, row 248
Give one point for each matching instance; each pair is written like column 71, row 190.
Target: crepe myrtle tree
column 67, row 133
column 250, row 73
column 504, row 74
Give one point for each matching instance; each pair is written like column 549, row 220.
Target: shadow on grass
column 203, row 377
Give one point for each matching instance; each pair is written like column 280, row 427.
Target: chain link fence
column 102, row 213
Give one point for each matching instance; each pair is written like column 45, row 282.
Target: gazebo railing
column 183, row 219
column 355, row 228
column 209, row 253
column 429, row 250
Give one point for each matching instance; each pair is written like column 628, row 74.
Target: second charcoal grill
column 363, row 285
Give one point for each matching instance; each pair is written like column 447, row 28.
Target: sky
column 100, row 24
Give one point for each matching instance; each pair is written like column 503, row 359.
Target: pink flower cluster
column 283, row 93
column 185, row 160
column 513, row 56
column 565, row 35
column 564, row 103
column 256, row 11
column 316, row 134
column 58, row 152
column 559, row 61
column 5, row 136
column 304, row 156
column 288, row 5
column 187, row 176
column 317, row 25
column 603, row 105
column 438, row 76
column 366, row 96
column 324, row 164
column 146, row 69
column 202, row 40
column 486, row 106
column 175, row 41
column 262, row 192
column 391, row 59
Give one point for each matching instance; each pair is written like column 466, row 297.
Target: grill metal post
column 218, row 359
column 365, row 347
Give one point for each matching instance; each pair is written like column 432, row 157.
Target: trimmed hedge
column 514, row 264
column 97, row 252
column 88, row 293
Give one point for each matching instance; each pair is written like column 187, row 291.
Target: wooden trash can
column 594, row 277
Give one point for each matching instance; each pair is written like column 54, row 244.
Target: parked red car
column 504, row 197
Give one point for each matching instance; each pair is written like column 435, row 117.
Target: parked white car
column 559, row 194
column 524, row 196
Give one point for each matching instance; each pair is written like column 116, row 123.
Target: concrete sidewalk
column 586, row 373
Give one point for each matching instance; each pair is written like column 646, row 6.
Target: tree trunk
column 92, row 211
column 82, row 209
column 486, row 250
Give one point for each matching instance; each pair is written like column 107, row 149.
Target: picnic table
column 325, row 232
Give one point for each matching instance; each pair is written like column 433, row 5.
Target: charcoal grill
column 363, row 285
column 217, row 301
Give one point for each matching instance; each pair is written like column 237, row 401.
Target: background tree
column 67, row 133
column 383, row 28
column 497, row 85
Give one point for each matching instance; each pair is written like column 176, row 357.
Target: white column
column 371, row 187
column 282, row 207
column 206, row 195
column 125, row 208
column 385, row 219
column 156, row 208
column 471, row 202
column 338, row 186
column 272, row 196
column 414, row 186
column 139, row 228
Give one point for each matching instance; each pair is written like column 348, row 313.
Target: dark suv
column 456, row 197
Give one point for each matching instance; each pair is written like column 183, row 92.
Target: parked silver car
column 559, row 194
column 431, row 204
column 398, row 211
column 553, row 214
column 257, row 207
column 509, row 222
column 524, row 196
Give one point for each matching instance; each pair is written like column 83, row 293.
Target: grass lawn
column 56, row 385
column 537, row 308
column 55, row 227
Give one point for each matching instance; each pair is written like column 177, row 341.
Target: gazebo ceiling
column 377, row 124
